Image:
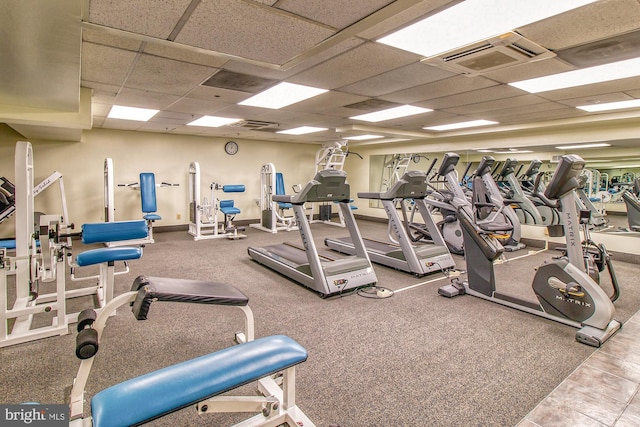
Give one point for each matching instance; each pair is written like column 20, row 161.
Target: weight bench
column 198, row 381
column 106, row 232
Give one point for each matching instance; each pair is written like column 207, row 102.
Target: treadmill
column 324, row 274
column 417, row 259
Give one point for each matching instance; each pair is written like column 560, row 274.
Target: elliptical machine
column 565, row 293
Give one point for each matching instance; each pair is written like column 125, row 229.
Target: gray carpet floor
column 414, row 359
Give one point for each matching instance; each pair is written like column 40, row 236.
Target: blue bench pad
column 98, row 256
column 172, row 388
column 152, row 217
column 152, row 288
column 102, row 232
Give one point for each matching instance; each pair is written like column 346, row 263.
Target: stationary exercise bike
column 564, row 291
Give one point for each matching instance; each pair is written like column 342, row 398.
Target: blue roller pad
column 98, row 256
column 236, row 188
column 101, row 232
column 172, row 388
column 8, row 243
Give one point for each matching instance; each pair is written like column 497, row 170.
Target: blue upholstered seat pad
column 152, row 288
column 230, row 211
column 100, row 255
column 166, row 390
column 152, row 217
column 101, row 232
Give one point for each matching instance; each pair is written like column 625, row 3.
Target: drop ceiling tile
column 250, row 31
column 592, row 90
column 414, row 11
column 594, row 21
column 411, row 75
column 145, row 99
column 340, row 14
column 185, row 55
column 497, row 104
column 600, row 99
column 291, row 69
column 196, row 107
column 166, row 75
column 108, row 65
column 101, row 92
column 327, row 102
column 112, row 40
column 529, row 70
column 367, row 60
column 475, row 96
column 225, row 96
column 146, row 17
column 438, row 89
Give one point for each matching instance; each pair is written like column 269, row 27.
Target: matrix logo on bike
column 33, row 414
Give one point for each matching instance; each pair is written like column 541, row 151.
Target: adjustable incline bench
column 198, row 381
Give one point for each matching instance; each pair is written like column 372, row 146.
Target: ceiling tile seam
column 183, row 19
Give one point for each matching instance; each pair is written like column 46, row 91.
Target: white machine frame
column 203, row 215
column 272, row 217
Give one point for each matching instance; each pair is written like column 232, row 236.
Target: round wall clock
column 231, row 147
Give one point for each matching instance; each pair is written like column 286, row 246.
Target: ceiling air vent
column 495, row 53
column 254, row 125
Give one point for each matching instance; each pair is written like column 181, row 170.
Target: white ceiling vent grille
column 497, row 52
column 254, row 125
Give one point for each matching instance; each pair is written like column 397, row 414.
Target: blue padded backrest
column 101, row 232
column 280, row 184
column 226, row 203
column 148, row 192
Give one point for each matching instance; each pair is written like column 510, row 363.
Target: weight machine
column 273, row 218
column 330, row 156
column 39, row 261
column 203, row 216
column 147, row 187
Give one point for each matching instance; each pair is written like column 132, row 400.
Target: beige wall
column 167, row 156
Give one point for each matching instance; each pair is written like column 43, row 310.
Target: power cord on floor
column 375, row 292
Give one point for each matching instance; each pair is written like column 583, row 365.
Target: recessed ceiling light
column 461, row 125
column 391, row 113
column 131, row 113
column 584, row 76
column 281, row 95
column 633, row 103
column 442, row 32
column 212, row 121
column 580, row 146
column 363, row 137
column 301, row 130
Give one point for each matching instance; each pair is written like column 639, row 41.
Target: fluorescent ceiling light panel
column 281, row 95
column 301, row 130
column 580, row 146
column 474, row 20
column 131, row 113
column 585, row 76
column 634, row 103
column 212, row 121
column 363, row 137
column 513, row 152
column 391, row 113
column 461, row 125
